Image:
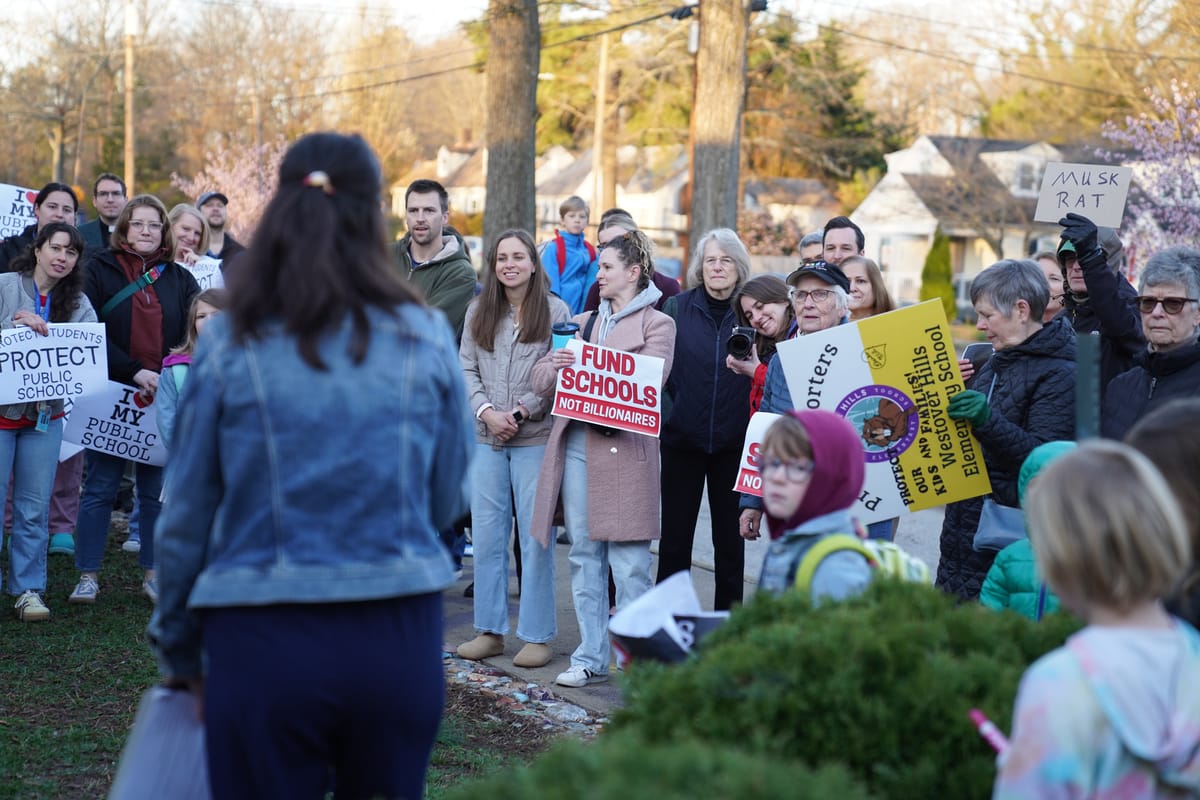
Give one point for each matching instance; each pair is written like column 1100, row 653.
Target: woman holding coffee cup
column 507, row 329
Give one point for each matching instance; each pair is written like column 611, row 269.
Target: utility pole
column 131, row 29
column 598, row 175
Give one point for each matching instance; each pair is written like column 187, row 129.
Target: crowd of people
column 321, row 467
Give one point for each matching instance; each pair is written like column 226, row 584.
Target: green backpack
column 886, row 557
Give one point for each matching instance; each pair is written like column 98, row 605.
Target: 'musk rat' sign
column 1097, row 191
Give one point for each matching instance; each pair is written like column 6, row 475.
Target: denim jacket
column 294, row 485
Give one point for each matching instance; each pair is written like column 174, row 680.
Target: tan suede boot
column 485, row 645
column 533, row 655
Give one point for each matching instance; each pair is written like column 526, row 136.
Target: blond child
column 1115, row 712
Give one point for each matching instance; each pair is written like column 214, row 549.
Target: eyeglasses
column 1171, row 305
column 817, row 295
column 795, row 471
column 153, row 227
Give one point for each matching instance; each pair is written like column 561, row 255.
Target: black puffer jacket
column 1155, row 379
column 1110, row 308
column 709, row 404
column 15, row 245
column 1032, row 403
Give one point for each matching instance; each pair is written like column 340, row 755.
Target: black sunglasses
column 1171, row 305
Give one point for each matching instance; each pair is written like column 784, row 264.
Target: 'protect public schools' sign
column 612, row 388
column 72, row 360
column 114, row 421
column 891, row 376
column 1097, row 191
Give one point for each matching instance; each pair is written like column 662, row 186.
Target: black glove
column 1081, row 232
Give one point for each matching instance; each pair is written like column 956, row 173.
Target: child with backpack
column 205, row 306
column 1114, row 712
column 570, row 259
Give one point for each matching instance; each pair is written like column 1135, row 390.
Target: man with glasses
column 1097, row 297
column 1168, row 367
column 108, row 198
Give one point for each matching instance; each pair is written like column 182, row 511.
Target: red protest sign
column 611, row 387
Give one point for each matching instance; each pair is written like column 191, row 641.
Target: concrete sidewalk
column 918, row 534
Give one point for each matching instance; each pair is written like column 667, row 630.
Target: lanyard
column 43, row 309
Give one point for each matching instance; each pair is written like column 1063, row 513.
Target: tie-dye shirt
column 1114, row 713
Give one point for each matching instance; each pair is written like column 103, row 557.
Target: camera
column 740, row 343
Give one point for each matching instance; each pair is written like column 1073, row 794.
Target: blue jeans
column 498, row 477
column 590, row 560
column 100, row 486
column 30, row 457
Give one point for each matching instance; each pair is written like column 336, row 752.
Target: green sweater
column 447, row 280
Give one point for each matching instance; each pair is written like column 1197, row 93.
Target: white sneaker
column 132, row 546
column 85, row 591
column 30, row 607
column 150, row 589
column 579, row 675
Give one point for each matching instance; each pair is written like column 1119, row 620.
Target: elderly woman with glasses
column 820, row 296
column 1025, row 398
column 1169, row 367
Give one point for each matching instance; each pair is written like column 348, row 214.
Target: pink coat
column 623, row 471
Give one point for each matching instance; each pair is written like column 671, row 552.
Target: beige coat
column 623, row 471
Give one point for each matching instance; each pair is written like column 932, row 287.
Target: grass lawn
column 69, row 688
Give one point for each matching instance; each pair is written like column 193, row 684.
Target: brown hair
column 879, row 291
column 214, row 298
column 1168, row 436
column 120, row 234
column 787, row 439
column 634, row 248
column 1105, row 529
column 765, row 289
column 492, row 304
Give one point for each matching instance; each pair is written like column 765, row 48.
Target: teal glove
column 971, row 406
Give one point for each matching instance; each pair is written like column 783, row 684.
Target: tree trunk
column 514, row 39
column 717, row 116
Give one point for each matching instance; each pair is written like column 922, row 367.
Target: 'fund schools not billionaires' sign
column 611, row 388
column 70, row 361
column 749, row 479
column 891, row 376
column 113, row 421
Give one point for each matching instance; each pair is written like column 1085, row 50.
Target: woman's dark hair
column 65, row 297
column 634, row 248
column 492, row 304
column 765, row 289
column 320, row 251
column 51, row 188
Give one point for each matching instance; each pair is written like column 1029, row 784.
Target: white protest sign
column 70, row 361
column 207, row 272
column 612, row 388
column 1096, row 191
column 114, row 421
column 749, row 479
column 16, row 209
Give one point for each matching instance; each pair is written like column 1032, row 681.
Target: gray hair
column 1009, row 280
column 732, row 246
column 1180, row 265
column 816, row 237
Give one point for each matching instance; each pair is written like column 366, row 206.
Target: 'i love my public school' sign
column 611, row 388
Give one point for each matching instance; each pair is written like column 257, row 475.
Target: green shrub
column 936, row 277
column 625, row 768
column 881, row 685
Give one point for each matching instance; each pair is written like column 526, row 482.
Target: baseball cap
column 204, row 198
column 830, row 273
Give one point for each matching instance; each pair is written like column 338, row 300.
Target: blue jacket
column 294, row 485
column 709, row 404
column 579, row 273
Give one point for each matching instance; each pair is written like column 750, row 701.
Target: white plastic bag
column 164, row 756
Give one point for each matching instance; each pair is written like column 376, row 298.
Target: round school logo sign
column 885, row 418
